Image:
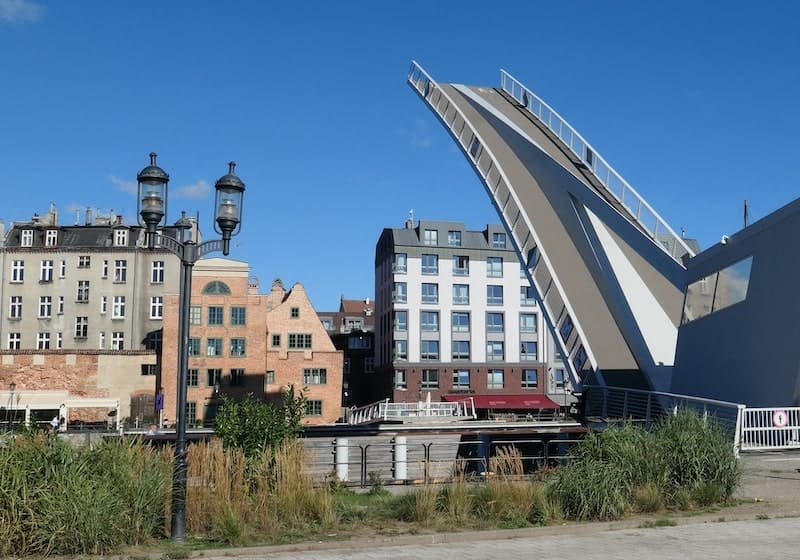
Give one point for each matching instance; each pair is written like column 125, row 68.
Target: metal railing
column 607, row 405
column 386, row 411
column 618, row 187
column 397, row 461
column 771, row 428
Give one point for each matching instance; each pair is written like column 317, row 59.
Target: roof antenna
column 410, row 221
column 746, row 214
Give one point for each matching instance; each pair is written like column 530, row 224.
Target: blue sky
column 694, row 103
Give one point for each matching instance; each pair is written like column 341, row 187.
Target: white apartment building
column 456, row 316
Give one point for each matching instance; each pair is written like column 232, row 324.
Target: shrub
column 648, row 498
column 591, row 489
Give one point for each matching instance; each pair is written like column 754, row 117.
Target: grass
column 58, row 499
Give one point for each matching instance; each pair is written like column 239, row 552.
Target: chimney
column 88, row 216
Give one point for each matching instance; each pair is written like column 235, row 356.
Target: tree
column 255, row 426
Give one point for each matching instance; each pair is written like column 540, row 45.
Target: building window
column 400, row 263
column 238, row 316
column 461, row 379
column 461, row 350
column 215, row 314
column 294, row 313
column 101, row 340
column 276, row 340
column 495, row 351
column 103, row 304
column 430, row 264
column 494, row 379
column 46, row 271
column 527, row 323
column 429, row 350
column 299, row 341
column 191, row 413
column 461, row 294
column 62, row 271
column 17, row 271
column 213, row 377
column 495, row 322
column 215, row 287
column 430, row 293
column 120, row 270
column 527, row 296
column 45, row 307
column 454, row 238
column 193, row 377
column 494, row 267
column 149, row 369
column 530, row 378
column 214, row 347
column 528, row 351
column 193, row 347
column 26, row 238
column 400, row 350
column 237, row 376
column 315, row 376
column 157, row 272
column 84, row 261
column 81, row 327
column 461, row 265
column 400, row 381
column 429, row 321
column 566, row 328
column 270, row 377
column 313, row 407
column 327, row 323
column 559, row 378
column 157, row 307
column 353, row 324
column 43, row 341
column 498, row 240
column 494, row 295
column 60, row 310
column 83, row 292
column 369, row 364
column 400, row 321
column 59, row 340
column 429, row 379
column 238, row 347
column 15, row 307
column 105, row 269
column 117, row 340
column 120, row 237
column 460, row 321
column 194, row 315
column 359, row 342
column 118, row 309
column 430, row 237
column 14, row 341
column 399, row 292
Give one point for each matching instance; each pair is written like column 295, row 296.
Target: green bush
column 592, row 489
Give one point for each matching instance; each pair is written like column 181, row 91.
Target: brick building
column 241, row 342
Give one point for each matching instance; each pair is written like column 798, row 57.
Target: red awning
column 505, row 402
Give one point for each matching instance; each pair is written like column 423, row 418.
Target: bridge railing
column 606, row 405
column 618, row 187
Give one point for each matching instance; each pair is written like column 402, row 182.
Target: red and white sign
column 780, row 418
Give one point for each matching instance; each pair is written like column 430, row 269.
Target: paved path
column 762, row 540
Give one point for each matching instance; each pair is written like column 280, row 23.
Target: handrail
column 608, row 177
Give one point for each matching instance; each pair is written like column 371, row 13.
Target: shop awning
column 505, row 402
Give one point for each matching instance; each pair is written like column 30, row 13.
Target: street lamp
column 11, row 388
column 227, row 222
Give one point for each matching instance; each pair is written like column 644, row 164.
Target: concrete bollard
column 400, row 458
column 342, row 459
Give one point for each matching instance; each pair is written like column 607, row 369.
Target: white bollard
column 400, row 458
column 341, row 458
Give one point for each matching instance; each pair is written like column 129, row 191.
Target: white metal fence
column 771, row 428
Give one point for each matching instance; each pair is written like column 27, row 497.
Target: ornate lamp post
column 227, row 222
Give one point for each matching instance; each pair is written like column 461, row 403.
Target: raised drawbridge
column 608, row 271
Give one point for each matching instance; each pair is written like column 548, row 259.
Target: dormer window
column 26, row 239
column 121, row 238
column 51, row 238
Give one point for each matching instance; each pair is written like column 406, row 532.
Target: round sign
column 780, row 418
